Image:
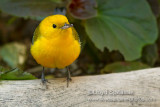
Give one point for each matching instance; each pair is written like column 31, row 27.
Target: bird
column 55, row 44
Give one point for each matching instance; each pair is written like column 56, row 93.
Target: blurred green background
column 116, row 36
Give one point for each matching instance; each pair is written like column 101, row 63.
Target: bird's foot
column 68, row 80
column 44, row 81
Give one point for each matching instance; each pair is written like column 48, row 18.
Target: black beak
column 66, row 26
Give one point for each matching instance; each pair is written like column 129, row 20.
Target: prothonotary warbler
column 55, row 44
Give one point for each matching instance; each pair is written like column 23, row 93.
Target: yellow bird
column 55, row 44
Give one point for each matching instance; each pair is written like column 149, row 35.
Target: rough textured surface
column 131, row 89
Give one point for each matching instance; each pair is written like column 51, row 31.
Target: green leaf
column 123, row 67
column 35, row 9
column 16, row 74
column 127, row 26
column 14, row 54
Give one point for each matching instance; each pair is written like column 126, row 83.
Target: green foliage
column 35, row 9
column 14, row 54
column 15, row 74
column 123, row 67
column 2, row 69
column 125, row 26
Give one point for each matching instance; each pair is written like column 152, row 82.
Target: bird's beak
column 66, row 26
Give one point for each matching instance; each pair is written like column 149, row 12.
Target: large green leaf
column 123, row 67
column 36, row 9
column 125, row 25
column 16, row 74
column 14, row 54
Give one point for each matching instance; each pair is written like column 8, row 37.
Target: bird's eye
column 54, row 26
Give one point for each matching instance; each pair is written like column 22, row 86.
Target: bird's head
column 55, row 26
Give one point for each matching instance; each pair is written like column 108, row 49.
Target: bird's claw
column 44, row 81
column 68, row 80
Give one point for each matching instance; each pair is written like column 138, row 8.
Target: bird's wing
column 75, row 34
column 35, row 35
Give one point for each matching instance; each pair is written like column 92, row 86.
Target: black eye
column 54, row 26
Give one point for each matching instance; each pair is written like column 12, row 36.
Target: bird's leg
column 43, row 77
column 68, row 76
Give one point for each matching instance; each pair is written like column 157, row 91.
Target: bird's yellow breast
column 56, row 52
